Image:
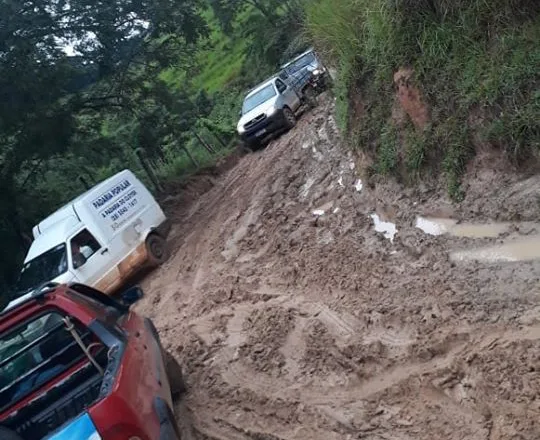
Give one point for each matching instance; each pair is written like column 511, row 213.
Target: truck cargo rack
column 9, row 391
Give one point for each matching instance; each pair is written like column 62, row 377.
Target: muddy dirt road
column 305, row 303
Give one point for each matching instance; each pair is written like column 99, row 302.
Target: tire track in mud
column 240, row 376
column 294, row 347
column 328, row 400
column 343, row 327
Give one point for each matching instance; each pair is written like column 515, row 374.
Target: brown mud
column 294, row 319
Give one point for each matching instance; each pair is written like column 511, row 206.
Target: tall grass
column 469, row 57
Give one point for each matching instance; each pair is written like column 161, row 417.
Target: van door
column 89, row 259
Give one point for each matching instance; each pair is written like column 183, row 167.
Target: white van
column 99, row 239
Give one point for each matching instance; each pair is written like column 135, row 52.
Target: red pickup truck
column 76, row 364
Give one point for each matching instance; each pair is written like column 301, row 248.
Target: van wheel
column 290, row 119
column 8, row 434
column 157, row 250
column 174, row 374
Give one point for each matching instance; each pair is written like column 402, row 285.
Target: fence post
column 195, row 163
column 205, row 144
column 215, row 135
column 84, row 182
column 151, row 175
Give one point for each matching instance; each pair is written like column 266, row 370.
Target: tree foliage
column 66, row 68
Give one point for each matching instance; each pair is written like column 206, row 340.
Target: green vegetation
column 416, row 145
column 387, row 159
column 476, row 62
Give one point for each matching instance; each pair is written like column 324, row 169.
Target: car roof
column 69, row 210
column 287, row 64
column 45, row 296
column 56, row 235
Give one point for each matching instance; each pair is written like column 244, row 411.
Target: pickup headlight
column 240, row 129
column 317, row 72
column 271, row 112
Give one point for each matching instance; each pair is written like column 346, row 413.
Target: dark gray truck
column 306, row 74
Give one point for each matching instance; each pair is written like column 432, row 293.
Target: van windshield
column 46, row 267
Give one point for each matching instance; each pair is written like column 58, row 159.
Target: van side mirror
column 132, row 295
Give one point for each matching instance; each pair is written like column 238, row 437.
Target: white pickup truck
column 268, row 108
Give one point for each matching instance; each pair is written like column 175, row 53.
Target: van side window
column 82, row 247
column 280, row 86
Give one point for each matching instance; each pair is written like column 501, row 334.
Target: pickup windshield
column 46, row 267
column 300, row 63
column 258, row 98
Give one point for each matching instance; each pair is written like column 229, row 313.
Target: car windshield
column 258, row 98
column 300, row 63
column 46, row 267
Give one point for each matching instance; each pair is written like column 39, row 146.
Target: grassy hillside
column 217, row 63
column 222, row 56
column 225, row 66
column 476, row 64
column 214, row 74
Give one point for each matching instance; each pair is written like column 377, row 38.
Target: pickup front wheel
column 290, row 119
column 310, row 96
column 174, row 374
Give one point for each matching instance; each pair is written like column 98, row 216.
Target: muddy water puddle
column 512, row 249
column 527, row 249
column 441, row 226
column 388, row 229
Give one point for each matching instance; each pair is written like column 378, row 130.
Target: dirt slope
column 292, row 325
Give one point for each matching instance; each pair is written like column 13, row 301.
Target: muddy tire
column 289, row 118
column 243, row 149
column 328, row 82
column 157, row 249
column 253, row 146
column 174, row 374
column 8, row 434
column 174, row 423
column 310, row 96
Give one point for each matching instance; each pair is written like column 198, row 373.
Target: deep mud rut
column 291, row 325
